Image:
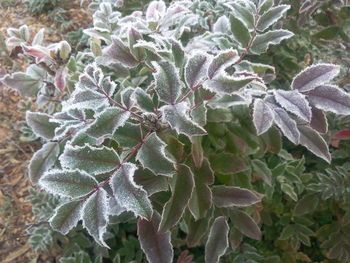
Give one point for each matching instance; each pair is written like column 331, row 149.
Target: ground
column 15, row 211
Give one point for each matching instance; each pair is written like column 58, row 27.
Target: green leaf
column 227, row 163
column 217, row 242
column 43, row 160
column 178, row 118
column 240, row 31
column 306, row 205
column 67, row 216
column 271, row 16
column 197, row 229
column 228, row 196
column 168, row 85
column 314, row 142
column 95, row 217
column 245, row 224
column 201, row 198
column 226, row 84
column 328, row 33
column 107, row 122
column 156, row 245
column 288, row 190
column 152, row 156
column 41, row 125
column 129, row 195
column 24, row 83
column 261, row 169
column 144, row 100
column 90, row 159
column 221, row 61
column 68, row 183
column 150, row 182
column 181, row 187
column 128, row 135
column 273, row 37
column 196, row 69
column 133, row 36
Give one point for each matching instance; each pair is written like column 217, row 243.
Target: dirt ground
column 15, row 212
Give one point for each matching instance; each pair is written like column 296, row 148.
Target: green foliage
column 40, row 6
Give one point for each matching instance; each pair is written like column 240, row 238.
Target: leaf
column 85, row 99
column 41, row 125
column 118, row 52
column 152, row 156
column 217, row 242
column 201, row 198
column 262, row 170
column 168, row 86
column 181, row 187
column 157, row 246
column 294, row 102
column 221, row 25
column 306, row 205
column 197, row 229
column 287, row 125
column 107, row 122
column 245, row 224
column 68, row 183
column 228, row 196
column 226, row 84
column 43, row 160
column 289, row 190
column 263, row 116
column 150, row 182
column 221, row 61
column 330, row 98
column 129, row 195
column 240, row 31
column 90, row 159
column 95, row 217
column 25, row 84
column 133, row 36
column 128, row 135
column 196, row 69
column 227, row 163
column 144, row 100
column 155, row 11
column 197, row 150
column 319, row 121
column 67, row 216
column 178, row 118
column 273, row 37
column 314, row 143
column 314, row 76
column 271, row 16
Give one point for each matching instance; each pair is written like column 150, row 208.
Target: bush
column 167, row 124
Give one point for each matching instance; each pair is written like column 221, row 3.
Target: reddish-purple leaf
column 196, row 69
column 287, row 125
column 217, row 242
column 314, row 76
column 228, row 196
column 342, row 135
column 319, row 121
column 262, row 116
column 60, row 79
column 155, row 245
column 245, row 224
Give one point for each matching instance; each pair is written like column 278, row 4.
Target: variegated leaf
column 217, row 242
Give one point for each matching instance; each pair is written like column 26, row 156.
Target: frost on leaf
column 201, row 198
column 221, row 61
column 239, row 31
column 168, row 85
column 144, row 100
column 181, row 187
column 287, row 125
column 273, row 37
column 129, row 195
column 226, row 84
column 155, row 10
column 25, row 84
column 178, row 118
column 314, row 143
column 155, row 245
column 271, row 16
column 40, row 124
column 319, row 121
column 43, row 160
column 196, row 69
column 85, row 99
column 68, row 183
column 107, row 122
column 90, row 159
column 227, row 196
column 294, row 102
column 314, row 76
column 67, row 216
column 118, row 52
column 152, row 156
column 95, row 215
column 262, row 116
column 217, row 242
column 221, row 25
column 330, row 98
column 128, row 135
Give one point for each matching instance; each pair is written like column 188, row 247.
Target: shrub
column 171, row 125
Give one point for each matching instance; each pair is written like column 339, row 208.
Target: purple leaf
column 217, row 242
column 263, row 116
column 245, row 224
column 196, row 69
column 330, row 98
column 155, row 10
column 315, row 75
column 319, row 121
column 222, row 61
column 228, row 196
column 287, row 125
column 60, row 79
column 155, row 245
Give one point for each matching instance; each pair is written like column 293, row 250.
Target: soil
column 15, row 212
